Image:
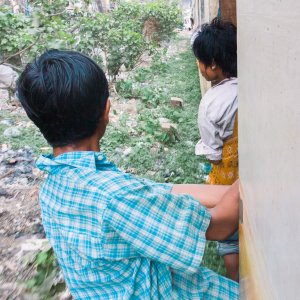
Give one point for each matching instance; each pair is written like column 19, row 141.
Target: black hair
column 216, row 43
column 64, row 93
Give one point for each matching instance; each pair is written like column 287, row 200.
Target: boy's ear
column 107, row 110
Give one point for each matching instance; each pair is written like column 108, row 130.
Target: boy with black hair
column 215, row 48
column 116, row 236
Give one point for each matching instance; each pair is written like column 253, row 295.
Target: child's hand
column 225, row 215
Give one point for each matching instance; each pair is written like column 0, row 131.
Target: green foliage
column 13, row 33
column 125, row 88
column 43, row 283
column 114, row 39
column 149, row 96
column 167, row 15
column 23, row 37
column 141, row 75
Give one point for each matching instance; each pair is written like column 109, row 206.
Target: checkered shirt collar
column 80, row 159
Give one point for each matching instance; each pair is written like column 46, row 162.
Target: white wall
column 269, row 142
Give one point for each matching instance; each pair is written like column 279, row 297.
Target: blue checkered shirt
column 117, row 236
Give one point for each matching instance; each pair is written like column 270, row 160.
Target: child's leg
column 229, row 249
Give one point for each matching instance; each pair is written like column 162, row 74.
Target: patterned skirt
column 227, row 172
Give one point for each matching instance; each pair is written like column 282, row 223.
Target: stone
column 12, row 132
column 4, row 148
column 127, row 151
column 6, row 122
column 176, row 102
column 150, row 173
column 8, row 77
column 131, row 106
column 12, row 161
column 4, row 193
column 155, row 148
column 166, row 125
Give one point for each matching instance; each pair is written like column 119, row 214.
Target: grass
column 154, row 154
column 30, row 135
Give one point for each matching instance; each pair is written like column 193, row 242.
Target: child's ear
column 213, row 65
column 107, row 110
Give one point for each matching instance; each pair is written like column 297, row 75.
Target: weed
column 141, row 75
column 43, row 283
column 124, row 88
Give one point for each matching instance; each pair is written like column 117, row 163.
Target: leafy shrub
column 124, row 88
column 141, row 75
column 47, row 281
column 167, row 15
column 114, row 40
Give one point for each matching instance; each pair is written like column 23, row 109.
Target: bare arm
column 208, row 195
column 225, row 215
column 223, row 204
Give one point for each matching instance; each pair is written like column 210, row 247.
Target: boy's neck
column 88, row 144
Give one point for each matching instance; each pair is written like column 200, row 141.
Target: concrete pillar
column 269, row 147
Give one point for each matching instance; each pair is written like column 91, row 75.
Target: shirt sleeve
column 161, row 226
column 211, row 143
column 216, row 122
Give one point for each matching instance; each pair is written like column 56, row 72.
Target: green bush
column 114, row 39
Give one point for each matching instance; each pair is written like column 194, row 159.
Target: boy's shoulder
column 91, row 171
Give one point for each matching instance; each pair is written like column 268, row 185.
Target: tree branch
column 19, row 52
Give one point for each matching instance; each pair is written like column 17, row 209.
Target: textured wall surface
column 269, row 145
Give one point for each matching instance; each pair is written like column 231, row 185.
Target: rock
column 150, row 173
column 7, row 122
column 166, row 125
column 131, row 106
column 22, row 181
column 34, row 245
column 12, row 161
column 12, row 132
column 4, row 148
column 8, row 77
column 155, row 148
column 131, row 171
column 176, row 102
column 127, row 151
column 4, row 193
column 25, row 169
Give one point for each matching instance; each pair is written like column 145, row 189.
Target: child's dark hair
column 216, row 43
column 64, row 93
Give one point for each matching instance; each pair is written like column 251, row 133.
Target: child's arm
column 224, row 204
column 225, row 215
column 208, row 195
column 165, row 227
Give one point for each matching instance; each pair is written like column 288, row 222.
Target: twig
column 6, row 174
column 20, row 52
column 56, row 14
column 115, row 91
column 13, row 67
